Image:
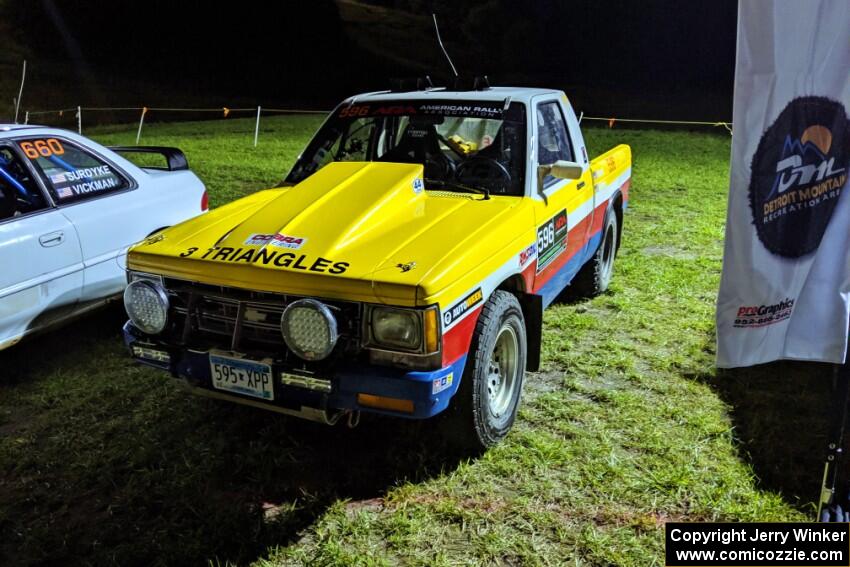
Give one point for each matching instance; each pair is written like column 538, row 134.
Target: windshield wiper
column 455, row 185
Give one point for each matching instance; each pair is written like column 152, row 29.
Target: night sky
column 661, row 58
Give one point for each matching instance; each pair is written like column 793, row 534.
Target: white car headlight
column 396, row 328
column 309, row 329
column 147, row 305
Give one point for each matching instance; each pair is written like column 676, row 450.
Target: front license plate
column 242, row 376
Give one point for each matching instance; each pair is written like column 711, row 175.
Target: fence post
column 20, row 91
column 79, row 121
column 257, row 128
column 141, row 122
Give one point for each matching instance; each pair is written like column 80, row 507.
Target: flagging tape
column 59, row 111
column 227, row 111
column 168, row 109
column 612, row 121
column 295, row 111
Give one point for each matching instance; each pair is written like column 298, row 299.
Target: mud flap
column 532, row 311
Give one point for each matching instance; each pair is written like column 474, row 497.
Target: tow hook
column 353, row 419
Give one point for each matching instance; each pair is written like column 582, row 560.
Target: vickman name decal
column 456, row 311
column 266, row 256
column 85, row 188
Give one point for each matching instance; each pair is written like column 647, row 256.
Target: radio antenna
column 440, row 41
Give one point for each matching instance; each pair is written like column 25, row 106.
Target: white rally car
column 69, row 209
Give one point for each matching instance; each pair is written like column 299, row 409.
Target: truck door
column 564, row 207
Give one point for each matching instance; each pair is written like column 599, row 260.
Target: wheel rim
column 503, row 371
column 608, row 252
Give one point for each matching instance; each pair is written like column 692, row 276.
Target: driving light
column 309, row 329
column 147, row 305
column 396, row 328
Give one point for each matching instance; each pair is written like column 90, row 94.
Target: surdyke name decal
column 267, row 257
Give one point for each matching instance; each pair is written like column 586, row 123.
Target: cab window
column 71, row 173
column 19, row 192
column 553, row 143
column 474, row 147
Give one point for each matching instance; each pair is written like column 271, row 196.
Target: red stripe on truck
column 456, row 342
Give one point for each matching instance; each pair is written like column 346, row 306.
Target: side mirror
column 562, row 169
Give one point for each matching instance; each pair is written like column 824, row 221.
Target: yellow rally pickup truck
column 402, row 267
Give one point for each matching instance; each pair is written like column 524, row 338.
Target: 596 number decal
column 551, row 239
column 35, row 149
column 354, row 111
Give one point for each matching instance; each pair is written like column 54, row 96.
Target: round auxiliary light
column 309, row 329
column 147, row 305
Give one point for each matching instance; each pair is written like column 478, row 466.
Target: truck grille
column 242, row 320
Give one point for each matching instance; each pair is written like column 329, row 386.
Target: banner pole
column 79, row 121
column 830, row 507
column 27, row 117
column 257, row 128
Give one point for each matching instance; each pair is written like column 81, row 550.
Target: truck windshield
column 467, row 146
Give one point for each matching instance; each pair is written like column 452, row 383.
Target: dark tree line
column 307, row 51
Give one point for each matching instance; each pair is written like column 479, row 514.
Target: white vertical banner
column 785, row 288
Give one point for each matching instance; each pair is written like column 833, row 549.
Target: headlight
column 147, row 305
column 309, row 329
column 396, row 328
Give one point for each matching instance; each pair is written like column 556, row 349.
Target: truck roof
column 518, row 94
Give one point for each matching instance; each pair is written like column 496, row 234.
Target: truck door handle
column 580, row 185
column 52, row 239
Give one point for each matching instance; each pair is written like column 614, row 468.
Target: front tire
column 485, row 406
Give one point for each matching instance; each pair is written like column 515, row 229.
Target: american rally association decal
column 763, row 315
column 457, row 310
column 431, row 107
column 551, row 240
column 798, row 172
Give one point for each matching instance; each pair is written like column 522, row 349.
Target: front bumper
column 430, row 391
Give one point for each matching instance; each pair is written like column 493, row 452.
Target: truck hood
column 353, row 230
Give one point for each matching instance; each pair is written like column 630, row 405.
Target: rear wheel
column 485, row 406
column 595, row 275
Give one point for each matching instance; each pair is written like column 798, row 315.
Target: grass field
column 628, row 425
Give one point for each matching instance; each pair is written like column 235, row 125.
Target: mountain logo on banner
column 798, row 172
